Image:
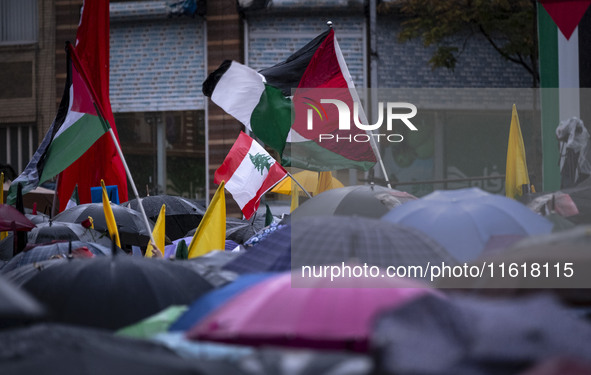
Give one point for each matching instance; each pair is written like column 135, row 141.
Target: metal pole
column 301, row 187
column 137, row 196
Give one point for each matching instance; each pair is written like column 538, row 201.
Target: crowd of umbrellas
column 271, row 301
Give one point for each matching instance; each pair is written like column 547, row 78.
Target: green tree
column 510, row 26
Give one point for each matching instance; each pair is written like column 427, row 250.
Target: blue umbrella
column 463, row 220
column 273, row 253
column 214, row 299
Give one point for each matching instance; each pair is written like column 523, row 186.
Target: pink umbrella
column 325, row 315
column 12, row 220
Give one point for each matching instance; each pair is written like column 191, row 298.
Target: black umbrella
column 54, row 250
column 357, row 200
column 24, row 273
column 58, row 349
column 130, row 223
column 432, row 335
column 17, row 305
column 113, row 292
column 182, row 215
column 52, row 231
column 239, row 230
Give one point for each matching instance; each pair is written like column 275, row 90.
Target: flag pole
column 115, row 142
column 300, row 185
column 362, row 114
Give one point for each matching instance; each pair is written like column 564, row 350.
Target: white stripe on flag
column 568, row 75
column 71, row 117
column 247, row 180
column 239, row 91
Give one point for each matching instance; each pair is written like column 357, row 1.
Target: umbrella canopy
column 336, row 239
column 308, row 179
column 463, row 220
column 56, row 231
column 573, row 203
column 358, row 200
column 182, row 215
column 273, row 253
column 58, row 349
column 130, row 223
column 12, row 220
column 209, row 266
column 207, row 303
column 24, row 273
column 326, row 314
column 154, row 324
column 116, row 291
column 17, row 304
column 53, row 250
column 463, row 335
column 239, row 230
column 564, row 269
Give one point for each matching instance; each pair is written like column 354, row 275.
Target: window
column 18, row 21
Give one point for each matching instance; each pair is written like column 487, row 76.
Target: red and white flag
column 249, row 172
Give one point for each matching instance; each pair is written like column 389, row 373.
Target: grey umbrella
column 336, row 239
column 464, row 335
column 55, row 230
column 358, row 200
column 130, row 223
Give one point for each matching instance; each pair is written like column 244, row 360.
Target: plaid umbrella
column 336, row 239
column 273, row 253
column 182, row 215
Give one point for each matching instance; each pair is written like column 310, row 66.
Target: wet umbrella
column 463, row 335
column 51, row 250
column 17, row 305
column 325, row 315
column 59, row 349
column 24, row 273
column 13, row 220
column 182, row 215
column 38, row 218
column 335, row 239
column 239, row 230
column 52, row 231
column 116, row 291
column 207, row 303
column 358, row 200
column 463, row 220
column 209, row 266
column 273, row 253
column 130, row 223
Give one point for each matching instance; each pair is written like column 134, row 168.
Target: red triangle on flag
column 566, row 13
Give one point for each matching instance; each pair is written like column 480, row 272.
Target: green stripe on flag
column 548, row 47
column 67, row 147
column 309, row 155
column 272, row 118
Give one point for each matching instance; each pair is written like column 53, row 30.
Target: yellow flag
column 324, row 182
column 211, row 232
column 516, row 172
column 295, row 197
column 109, row 217
column 158, row 233
column 3, row 235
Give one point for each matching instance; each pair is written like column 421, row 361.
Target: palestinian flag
column 564, row 29
column 263, row 102
column 75, row 128
column 249, row 172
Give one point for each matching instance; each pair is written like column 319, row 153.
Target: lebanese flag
column 249, row 172
column 101, row 161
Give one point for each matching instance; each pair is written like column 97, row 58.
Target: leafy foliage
column 509, row 26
